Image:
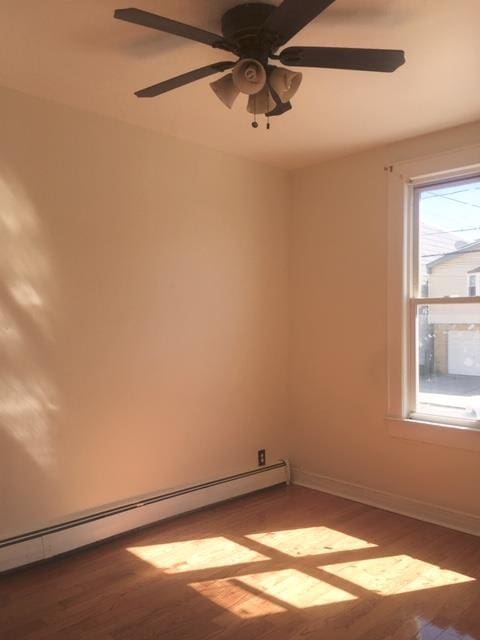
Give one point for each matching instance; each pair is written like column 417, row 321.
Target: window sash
column 414, row 225
column 412, row 361
column 446, row 300
column 415, row 299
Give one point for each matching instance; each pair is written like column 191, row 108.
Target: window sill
column 434, row 433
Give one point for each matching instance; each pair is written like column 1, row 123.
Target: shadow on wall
column 28, row 396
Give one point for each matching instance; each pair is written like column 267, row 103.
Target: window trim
column 402, row 179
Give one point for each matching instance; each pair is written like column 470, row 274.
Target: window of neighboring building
column 434, row 297
column 473, row 284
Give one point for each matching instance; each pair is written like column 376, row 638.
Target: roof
column 468, row 248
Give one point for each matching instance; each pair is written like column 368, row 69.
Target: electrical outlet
column 262, row 457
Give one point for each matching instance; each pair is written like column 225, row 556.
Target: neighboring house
column 451, row 333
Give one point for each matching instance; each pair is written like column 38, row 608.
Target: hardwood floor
column 286, row 563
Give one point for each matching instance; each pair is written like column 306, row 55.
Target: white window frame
column 402, row 301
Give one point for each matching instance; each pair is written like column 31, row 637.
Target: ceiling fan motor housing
column 243, row 26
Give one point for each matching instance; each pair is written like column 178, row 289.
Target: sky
column 454, row 208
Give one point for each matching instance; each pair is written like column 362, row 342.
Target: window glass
column 472, row 285
column 449, row 238
column 448, row 360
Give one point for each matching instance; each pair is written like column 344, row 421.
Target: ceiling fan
column 254, row 32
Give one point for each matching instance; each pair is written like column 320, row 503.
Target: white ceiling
column 74, row 52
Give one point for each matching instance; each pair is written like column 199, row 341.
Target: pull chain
column 268, row 122
column 255, row 123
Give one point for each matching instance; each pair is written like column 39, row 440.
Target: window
column 473, row 284
column 445, row 340
column 434, row 298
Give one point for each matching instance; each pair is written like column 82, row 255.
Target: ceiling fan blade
column 386, row 60
column 291, row 16
column 186, row 78
column 151, row 20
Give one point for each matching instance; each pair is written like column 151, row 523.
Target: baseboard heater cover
column 48, row 542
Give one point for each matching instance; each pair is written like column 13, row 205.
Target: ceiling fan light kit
column 249, row 76
column 284, row 82
column 254, row 32
column 226, row 90
column 261, row 102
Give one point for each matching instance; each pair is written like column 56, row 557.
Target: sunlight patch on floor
column 262, row 594
column 296, row 588
column 232, row 596
column 395, row 574
column 192, row 555
column 310, row 541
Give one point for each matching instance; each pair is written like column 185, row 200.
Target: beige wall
column 144, row 318
column 143, row 303
column 338, row 354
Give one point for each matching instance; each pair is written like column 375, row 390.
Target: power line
column 450, row 253
column 434, row 194
column 453, row 193
column 467, row 204
column 437, row 233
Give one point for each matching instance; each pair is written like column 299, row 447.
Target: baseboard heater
column 57, row 539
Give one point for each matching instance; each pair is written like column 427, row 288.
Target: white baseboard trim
column 102, row 524
column 465, row 522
